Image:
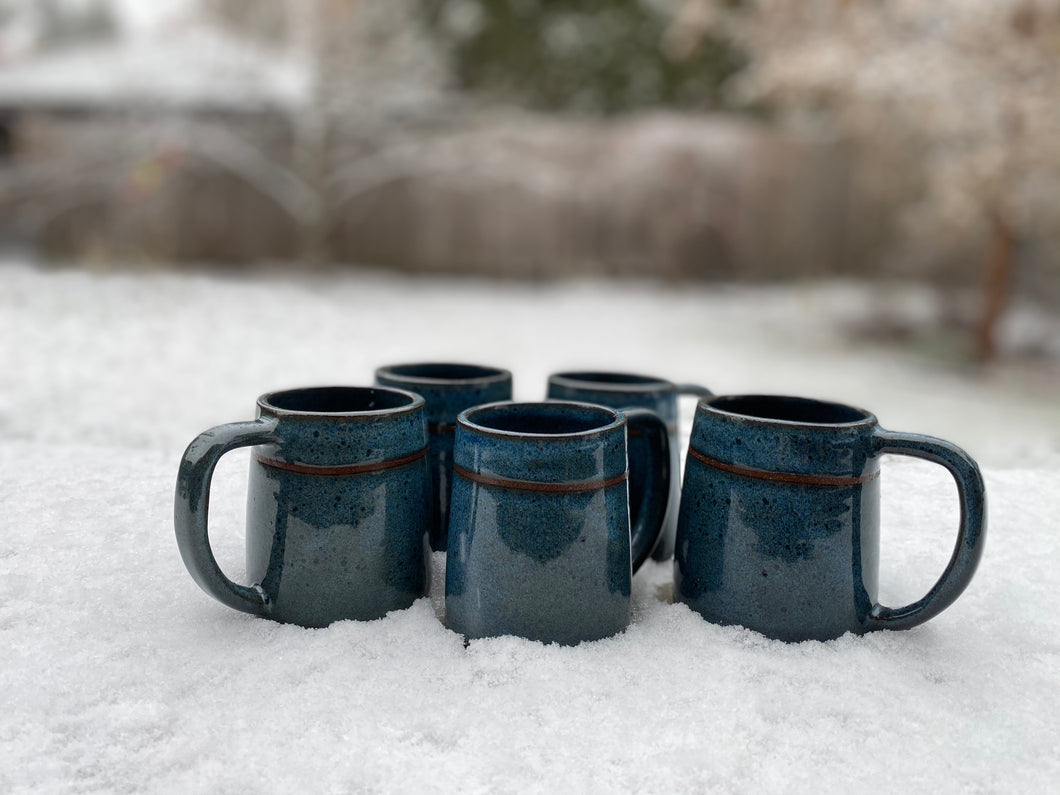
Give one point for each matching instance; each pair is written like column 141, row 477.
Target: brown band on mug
column 529, row 485
column 441, row 427
column 341, row 470
column 783, row 477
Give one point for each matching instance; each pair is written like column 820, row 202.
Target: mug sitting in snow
column 447, row 389
column 780, row 518
column 539, row 529
column 338, row 512
column 627, row 390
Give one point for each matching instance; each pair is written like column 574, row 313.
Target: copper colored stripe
column 345, row 469
column 441, row 427
column 529, row 485
column 783, row 477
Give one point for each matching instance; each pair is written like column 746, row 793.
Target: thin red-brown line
column 784, row 477
column 529, row 485
column 339, row 471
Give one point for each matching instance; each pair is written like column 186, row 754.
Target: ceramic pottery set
column 546, row 510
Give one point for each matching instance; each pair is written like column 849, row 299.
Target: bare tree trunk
column 310, row 127
column 996, row 286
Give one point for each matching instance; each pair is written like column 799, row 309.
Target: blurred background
column 891, row 142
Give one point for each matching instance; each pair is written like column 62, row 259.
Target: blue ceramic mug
column 447, row 389
column 779, row 524
column 540, row 544
column 629, row 390
column 338, row 505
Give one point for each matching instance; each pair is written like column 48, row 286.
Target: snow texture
column 119, row 675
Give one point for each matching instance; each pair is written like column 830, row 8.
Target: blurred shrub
column 594, row 56
column 954, row 104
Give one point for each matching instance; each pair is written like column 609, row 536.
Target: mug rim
column 490, row 374
column 863, row 417
column 618, row 419
column 413, row 402
column 634, row 382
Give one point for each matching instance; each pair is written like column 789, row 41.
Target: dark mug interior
column 338, row 400
column 542, row 419
column 610, row 379
column 789, row 409
column 443, row 371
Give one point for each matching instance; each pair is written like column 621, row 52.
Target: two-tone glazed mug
column 448, row 389
column 338, row 505
column 779, row 525
column 540, row 541
column 630, row 390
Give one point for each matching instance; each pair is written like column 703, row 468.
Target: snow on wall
column 187, row 67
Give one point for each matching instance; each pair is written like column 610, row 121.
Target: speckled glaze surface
column 539, row 532
column 780, row 521
column 448, row 389
column 625, row 390
column 338, row 505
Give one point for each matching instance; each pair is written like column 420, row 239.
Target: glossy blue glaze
column 779, row 522
column 448, row 389
column 628, row 390
column 539, row 533
column 337, row 508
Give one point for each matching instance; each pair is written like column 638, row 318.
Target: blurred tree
column 28, row 26
column 262, row 20
column 964, row 92
column 368, row 68
column 65, row 22
column 598, row 56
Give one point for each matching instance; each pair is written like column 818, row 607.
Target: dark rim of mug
column 787, row 410
column 444, row 374
column 467, row 417
column 606, row 381
column 377, row 401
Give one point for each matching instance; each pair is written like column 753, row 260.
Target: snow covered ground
column 119, row 675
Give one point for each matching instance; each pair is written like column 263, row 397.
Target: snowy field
column 120, row 676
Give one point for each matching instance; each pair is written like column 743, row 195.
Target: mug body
column 779, row 519
column 626, row 390
column 539, row 533
column 338, row 509
column 447, row 389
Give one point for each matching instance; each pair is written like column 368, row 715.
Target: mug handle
column 694, row 390
column 192, row 505
column 971, row 532
column 648, row 526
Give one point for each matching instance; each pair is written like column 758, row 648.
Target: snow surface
column 119, row 675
